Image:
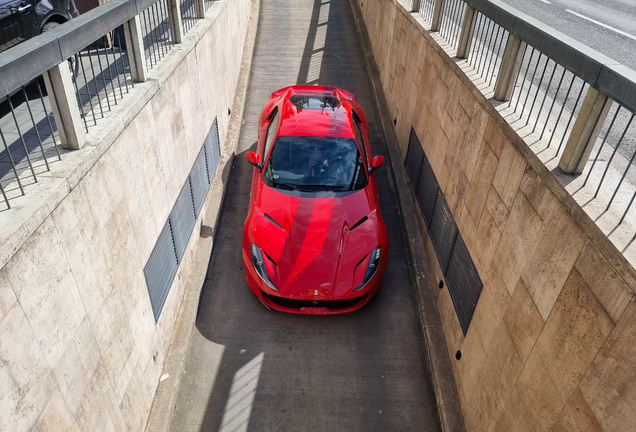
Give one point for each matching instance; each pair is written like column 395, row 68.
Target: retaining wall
column 79, row 346
column 552, row 343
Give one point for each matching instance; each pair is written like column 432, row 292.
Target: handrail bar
column 600, row 71
column 28, row 60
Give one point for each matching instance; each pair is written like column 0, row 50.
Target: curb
column 448, row 405
column 160, row 416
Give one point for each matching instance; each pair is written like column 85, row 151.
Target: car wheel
column 73, row 63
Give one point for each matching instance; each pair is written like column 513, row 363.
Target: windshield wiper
column 329, row 186
column 289, row 185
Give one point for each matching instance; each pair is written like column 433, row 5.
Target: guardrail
column 571, row 102
column 88, row 66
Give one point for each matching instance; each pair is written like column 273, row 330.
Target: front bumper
column 309, row 305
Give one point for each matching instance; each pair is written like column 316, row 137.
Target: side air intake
column 271, row 219
column 360, row 222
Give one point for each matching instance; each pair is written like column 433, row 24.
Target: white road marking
column 546, row 1
column 602, row 25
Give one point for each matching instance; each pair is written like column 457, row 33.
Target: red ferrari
column 314, row 241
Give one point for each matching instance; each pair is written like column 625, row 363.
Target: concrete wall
column 79, row 346
column 552, row 344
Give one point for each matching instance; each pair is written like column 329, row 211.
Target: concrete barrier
column 552, row 343
column 79, row 347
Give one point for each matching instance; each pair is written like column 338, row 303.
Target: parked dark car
column 23, row 19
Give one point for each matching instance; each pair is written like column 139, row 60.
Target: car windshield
column 315, row 164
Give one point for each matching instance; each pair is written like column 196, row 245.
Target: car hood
column 316, row 243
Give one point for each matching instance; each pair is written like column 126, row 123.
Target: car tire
column 73, row 62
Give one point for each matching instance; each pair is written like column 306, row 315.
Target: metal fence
column 425, row 11
column 556, row 93
column 30, row 140
column 486, row 50
column 127, row 40
column 188, row 14
column 208, row 4
column 102, row 77
column 157, row 33
column 451, row 21
column 539, row 80
column 615, row 151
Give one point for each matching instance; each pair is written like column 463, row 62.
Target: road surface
column 252, row 369
column 607, row 26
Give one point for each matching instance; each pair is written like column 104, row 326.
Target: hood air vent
column 360, row 222
column 271, row 219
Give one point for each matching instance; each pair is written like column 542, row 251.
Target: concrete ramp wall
column 79, row 346
column 552, row 343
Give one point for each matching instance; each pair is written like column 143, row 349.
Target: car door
column 16, row 22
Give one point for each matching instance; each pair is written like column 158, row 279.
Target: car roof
column 332, row 119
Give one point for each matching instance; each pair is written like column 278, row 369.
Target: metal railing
column 487, row 49
column 84, row 82
column 157, row 32
column 103, row 77
column 574, row 106
column 424, row 10
column 189, row 14
column 540, row 80
column 29, row 140
column 451, row 21
column 616, row 150
column 208, row 4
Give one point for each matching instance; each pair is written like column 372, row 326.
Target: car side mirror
column 376, row 163
column 254, row 159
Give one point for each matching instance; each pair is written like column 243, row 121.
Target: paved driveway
column 253, row 369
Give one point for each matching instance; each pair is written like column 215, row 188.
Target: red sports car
column 314, row 241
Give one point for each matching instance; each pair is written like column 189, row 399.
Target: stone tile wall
column 79, row 346
column 552, row 344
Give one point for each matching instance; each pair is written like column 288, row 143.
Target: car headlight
column 372, row 268
column 259, row 265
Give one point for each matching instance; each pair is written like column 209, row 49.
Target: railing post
column 200, row 7
column 59, row 86
column 135, row 49
column 416, row 5
column 176, row 24
column 510, row 65
column 585, row 131
column 466, row 35
column 438, row 9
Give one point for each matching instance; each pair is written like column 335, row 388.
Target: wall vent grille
column 200, row 181
column 182, row 219
column 164, row 260
column 161, row 269
column 462, row 279
column 212, row 149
